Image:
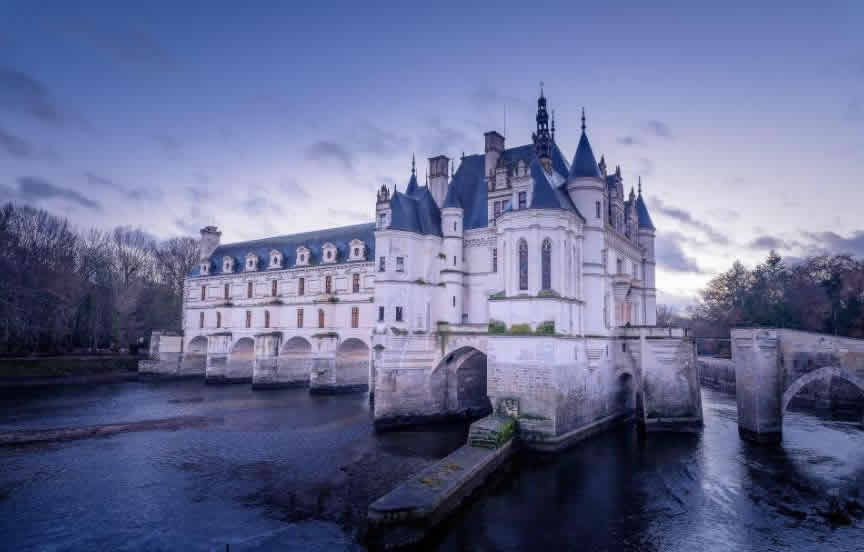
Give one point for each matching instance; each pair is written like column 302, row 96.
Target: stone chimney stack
column 494, row 149
column 209, row 241
column 438, row 169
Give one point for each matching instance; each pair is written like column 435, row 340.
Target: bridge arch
column 820, row 374
column 351, row 364
column 626, row 390
column 458, row 383
column 296, row 345
column 195, row 357
column 242, row 361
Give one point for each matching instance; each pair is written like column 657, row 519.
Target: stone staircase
column 492, row 432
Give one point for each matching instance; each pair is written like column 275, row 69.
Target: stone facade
column 518, row 281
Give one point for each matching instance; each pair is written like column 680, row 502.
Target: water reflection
column 286, row 470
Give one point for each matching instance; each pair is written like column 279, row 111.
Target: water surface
column 285, row 470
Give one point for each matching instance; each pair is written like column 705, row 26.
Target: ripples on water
column 287, row 470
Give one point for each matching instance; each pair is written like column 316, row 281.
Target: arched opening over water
column 242, row 359
column 352, row 363
column 195, row 357
column 459, row 381
column 625, row 393
column 829, row 391
column 296, row 345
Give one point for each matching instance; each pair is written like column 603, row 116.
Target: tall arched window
column 266, row 319
column 546, row 264
column 523, row 264
column 320, row 318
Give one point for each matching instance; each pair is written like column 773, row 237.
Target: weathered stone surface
column 404, row 515
column 773, row 365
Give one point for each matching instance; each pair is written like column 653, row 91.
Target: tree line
column 823, row 293
column 64, row 289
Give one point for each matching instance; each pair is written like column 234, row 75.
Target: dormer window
column 302, row 256
column 205, row 268
column 251, row 262
column 329, row 252
column 227, row 265
column 275, row 259
column 358, row 250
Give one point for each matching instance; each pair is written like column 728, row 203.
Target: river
column 285, row 470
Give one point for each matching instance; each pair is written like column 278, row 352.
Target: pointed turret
column 584, row 163
column 602, row 165
column 642, row 210
column 542, row 137
column 412, row 182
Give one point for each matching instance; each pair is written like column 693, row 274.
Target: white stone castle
column 519, row 281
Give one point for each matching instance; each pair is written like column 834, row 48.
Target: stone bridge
column 773, row 365
column 325, row 361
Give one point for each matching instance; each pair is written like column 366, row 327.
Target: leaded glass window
column 546, row 264
column 523, row 265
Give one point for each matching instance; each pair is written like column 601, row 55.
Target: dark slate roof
column 452, row 197
column 545, row 195
column 416, row 212
column 287, row 245
column 642, row 214
column 411, row 189
column 469, row 188
column 584, row 163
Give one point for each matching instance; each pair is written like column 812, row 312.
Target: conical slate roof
column 584, row 164
column 642, row 214
column 452, row 197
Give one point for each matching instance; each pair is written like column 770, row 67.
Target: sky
column 744, row 120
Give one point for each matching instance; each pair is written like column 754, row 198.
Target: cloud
column 373, row 139
column 293, row 190
column 687, row 219
column 440, row 138
column 359, row 216
column 627, row 140
column 831, row 242
column 768, row 242
column 330, row 152
column 21, row 93
column 725, row 214
column 15, row 146
column 658, row 128
column 34, row 189
column 169, row 145
column 260, row 205
column 646, row 167
column 132, row 193
column 671, row 257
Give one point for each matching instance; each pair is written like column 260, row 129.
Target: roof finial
column 452, row 168
column 413, row 168
column 640, row 185
column 583, row 119
column 541, row 89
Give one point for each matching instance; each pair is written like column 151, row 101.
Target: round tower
column 452, row 273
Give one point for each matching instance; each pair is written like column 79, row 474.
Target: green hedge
column 520, row 329
column 546, row 328
column 497, row 327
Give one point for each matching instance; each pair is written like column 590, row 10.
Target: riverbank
column 67, row 370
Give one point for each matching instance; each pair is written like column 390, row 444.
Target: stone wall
column 717, row 373
column 165, row 356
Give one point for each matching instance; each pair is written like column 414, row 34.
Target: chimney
column 494, row 149
column 209, row 241
column 438, row 168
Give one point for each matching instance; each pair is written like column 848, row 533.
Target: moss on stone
column 520, row 329
column 497, row 327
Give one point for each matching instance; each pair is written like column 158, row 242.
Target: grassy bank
column 56, row 367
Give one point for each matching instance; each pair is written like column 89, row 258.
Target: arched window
column 266, row 319
column 248, row 319
column 523, row 264
column 218, row 319
column 227, row 291
column 328, row 284
column 249, row 290
column 320, row 318
column 546, row 264
column 201, row 320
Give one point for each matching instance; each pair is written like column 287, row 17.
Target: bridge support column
column 758, row 385
column 264, row 372
column 218, row 352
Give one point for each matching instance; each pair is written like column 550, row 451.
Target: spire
column 640, row 185
column 412, row 182
column 583, row 120
column 584, row 163
column 542, row 138
column 642, row 210
column 632, row 195
column 602, row 164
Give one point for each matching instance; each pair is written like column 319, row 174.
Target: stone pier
column 773, row 365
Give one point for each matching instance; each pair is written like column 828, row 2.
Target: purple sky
column 746, row 122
